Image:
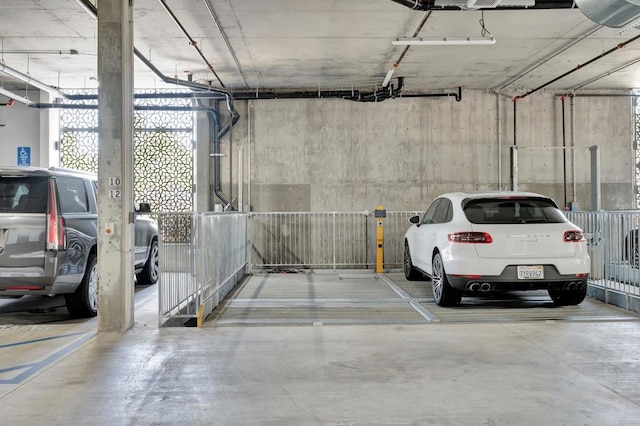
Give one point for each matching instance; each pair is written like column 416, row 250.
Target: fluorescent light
column 27, row 79
column 446, row 41
column 13, row 96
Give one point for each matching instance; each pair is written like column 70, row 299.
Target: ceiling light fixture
column 27, row 79
column 387, row 78
column 445, row 41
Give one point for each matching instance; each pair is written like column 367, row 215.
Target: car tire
column 151, row 271
column 84, row 301
column 410, row 273
column 568, row 297
column 443, row 293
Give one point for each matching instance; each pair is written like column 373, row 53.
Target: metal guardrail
column 325, row 240
column 202, row 257
column 612, row 238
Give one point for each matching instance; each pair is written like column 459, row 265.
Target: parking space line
column 33, row 368
column 414, row 303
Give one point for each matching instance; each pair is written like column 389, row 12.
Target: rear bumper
column 508, row 281
column 34, row 281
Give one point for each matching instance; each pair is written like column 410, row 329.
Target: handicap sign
column 24, row 156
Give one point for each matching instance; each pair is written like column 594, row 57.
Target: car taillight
column 55, row 223
column 573, row 237
column 470, row 237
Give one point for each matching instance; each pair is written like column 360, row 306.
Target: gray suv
column 48, row 237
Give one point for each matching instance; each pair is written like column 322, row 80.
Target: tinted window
column 73, row 195
column 431, row 211
column 444, row 212
column 512, row 210
column 23, row 194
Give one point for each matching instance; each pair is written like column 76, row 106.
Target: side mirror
column 414, row 219
column 144, row 208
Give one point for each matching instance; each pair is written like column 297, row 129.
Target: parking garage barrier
column 202, row 257
column 332, row 240
column 612, row 239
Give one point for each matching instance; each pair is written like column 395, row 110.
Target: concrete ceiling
column 321, row 44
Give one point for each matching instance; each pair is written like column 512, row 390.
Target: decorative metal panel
column 163, row 154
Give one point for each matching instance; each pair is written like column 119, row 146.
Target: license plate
column 530, row 272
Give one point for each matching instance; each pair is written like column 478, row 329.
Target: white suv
column 497, row 241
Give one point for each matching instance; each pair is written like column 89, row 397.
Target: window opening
column 163, row 153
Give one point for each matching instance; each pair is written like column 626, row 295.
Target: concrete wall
column 337, row 155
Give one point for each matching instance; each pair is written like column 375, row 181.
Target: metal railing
column 202, row 257
column 612, row 239
column 325, row 240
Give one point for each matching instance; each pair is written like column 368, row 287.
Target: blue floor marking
column 62, row 336
column 34, row 367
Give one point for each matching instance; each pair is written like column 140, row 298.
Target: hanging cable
column 484, row 32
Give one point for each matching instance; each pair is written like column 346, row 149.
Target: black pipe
column 93, row 11
column 564, row 153
column 353, row 95
column 579, row 66
column 214, row 136
column 171, row 80
column 457, row 95
column 539, row 4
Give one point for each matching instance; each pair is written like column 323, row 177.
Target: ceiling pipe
column 553, row 55
column 192, row 42
column 93, row 11
column 214, row 16
column 606, row 74
column 579, row 66
column 31, row 81
column 431, row 5
column 416, row 31
column 457, row 95
column 15, row 97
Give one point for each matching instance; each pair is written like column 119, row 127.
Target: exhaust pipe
column 485, row 287
column 571, row 286
column 580, row 286
column 474, row 287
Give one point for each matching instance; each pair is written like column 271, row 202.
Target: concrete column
column 115, row 165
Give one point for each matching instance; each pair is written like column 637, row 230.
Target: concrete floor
column 567, row 369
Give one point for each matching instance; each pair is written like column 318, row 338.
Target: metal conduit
column 539, row 4
column 214, row 16
column 579, row 66
column 192, row 42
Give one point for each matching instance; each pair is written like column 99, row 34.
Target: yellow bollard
column 380, row 213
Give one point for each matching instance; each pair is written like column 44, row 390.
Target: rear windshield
column 512, row 210
column 23, row 194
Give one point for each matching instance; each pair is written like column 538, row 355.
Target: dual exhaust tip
column 481, row 287
column 579, row 285
column 573, row 285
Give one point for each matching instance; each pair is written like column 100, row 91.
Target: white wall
column 27, row 127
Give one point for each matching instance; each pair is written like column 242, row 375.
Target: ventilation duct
column 610, row 13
